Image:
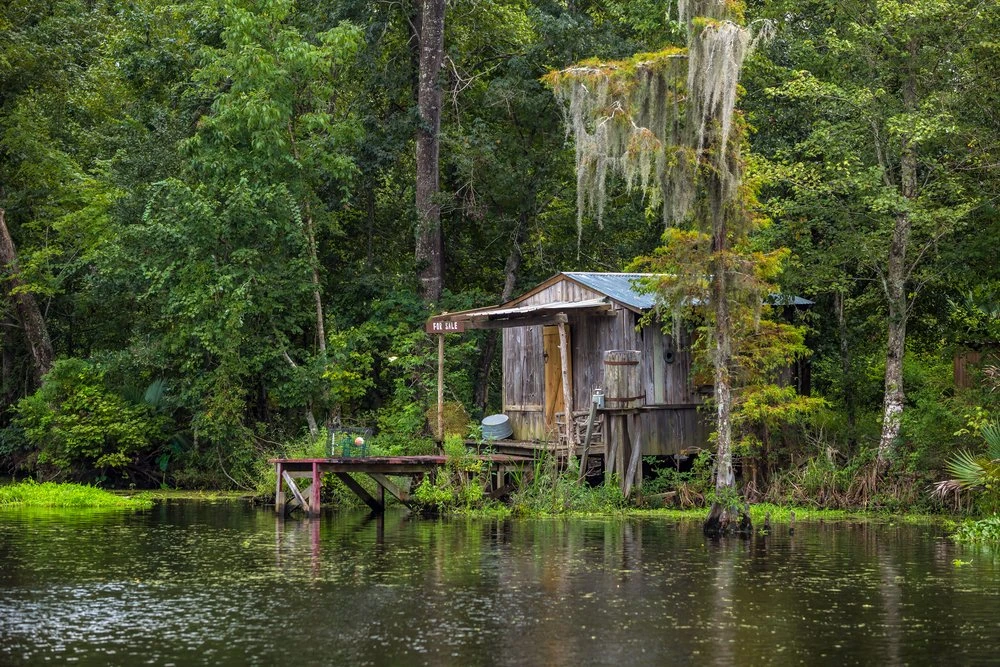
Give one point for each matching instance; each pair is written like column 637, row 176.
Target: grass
column 52, row 494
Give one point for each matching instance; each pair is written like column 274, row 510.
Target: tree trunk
column 7, row 382
column 429, row 242
column 895, row 288
column 511, row 269
column 723, row 516
column 28, row 313
column 726, row 514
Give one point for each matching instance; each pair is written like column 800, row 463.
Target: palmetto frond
column 991, row 433
column 967, row 469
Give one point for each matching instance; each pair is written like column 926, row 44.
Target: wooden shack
column 591, row 313
column 558, row 338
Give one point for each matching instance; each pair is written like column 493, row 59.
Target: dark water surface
column 226, row 584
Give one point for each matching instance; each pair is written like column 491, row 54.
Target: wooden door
column 554, row 401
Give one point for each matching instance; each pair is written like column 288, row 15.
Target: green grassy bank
column 52, row 494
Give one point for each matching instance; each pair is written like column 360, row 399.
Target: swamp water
column 226, row 584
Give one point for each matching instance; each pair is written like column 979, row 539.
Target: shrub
column 77, row 424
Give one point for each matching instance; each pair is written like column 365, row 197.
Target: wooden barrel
column 622, row 386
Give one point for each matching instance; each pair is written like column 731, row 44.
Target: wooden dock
column 290, row 473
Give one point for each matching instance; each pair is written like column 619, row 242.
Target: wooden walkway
column 378, row 468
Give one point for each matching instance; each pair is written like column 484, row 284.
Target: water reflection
column 228, row 584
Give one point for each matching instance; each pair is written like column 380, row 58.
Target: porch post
column 567, row 390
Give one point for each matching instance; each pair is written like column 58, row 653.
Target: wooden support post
column 295, row 491
column 634, row 471
column 360, row 491
column 621, row 442
column 637, row 443
column 279, row 493
column 586, row 439
column 564, row 361
column 440, row 415
column 317, row 487
column 385, row 484
column 611, row 456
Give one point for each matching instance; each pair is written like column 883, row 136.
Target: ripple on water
column 227, row 584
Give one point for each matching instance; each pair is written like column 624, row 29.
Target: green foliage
column 50, row 494
column 182, row 179
column 975, row 315
column 689, row 488
column 979, row 473
column 981, row 530
column 547, row 490
column 78, row 424
column 459, row 485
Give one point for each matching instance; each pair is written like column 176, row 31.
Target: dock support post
column 279, row 494
column 317, row 487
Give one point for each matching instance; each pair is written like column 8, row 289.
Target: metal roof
column 788, row 300
column 625, row 289
column 622, row 287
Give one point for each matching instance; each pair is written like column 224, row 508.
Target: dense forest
column 223, row 224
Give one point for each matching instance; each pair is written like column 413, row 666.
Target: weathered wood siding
column 523, row 378
column 667, row 368
column 563, row 290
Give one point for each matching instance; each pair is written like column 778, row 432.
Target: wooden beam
column 386, row 485
column 360, row 492
column 295, row 491
column 535, row 320
column 564, row 361
column 360, row 466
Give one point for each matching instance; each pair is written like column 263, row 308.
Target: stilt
column 634, row 474
column 611, row 456
column 279, row 494
column 622, row 442
column 317, row 487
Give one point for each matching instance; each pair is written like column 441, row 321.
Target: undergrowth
column 547, row 490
